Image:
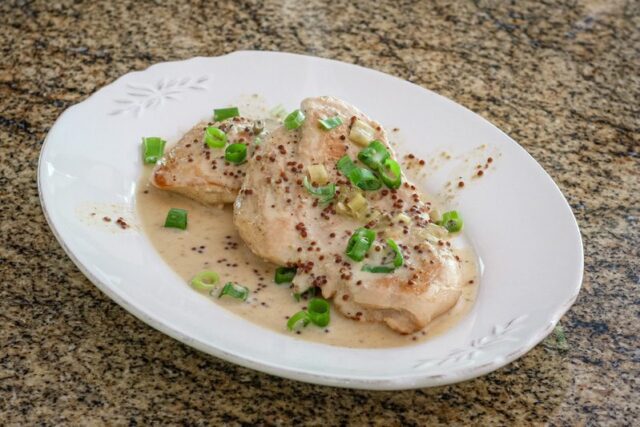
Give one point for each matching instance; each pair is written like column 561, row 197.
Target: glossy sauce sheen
column 212, row 243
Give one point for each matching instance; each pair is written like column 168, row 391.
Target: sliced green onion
column 398, row 261
column 330, row 122
column 285, row 275
column 451, row 221
column 358, row 204
column 318, row 174
column 294, row 120
column 365, row 179
column 390, row 173
column 319, row 313
column 205, row 280
column 345, row 165
column 325, row 194
column 214, row 137
column 300, row 317
column 361, row 177
column 378, row 268
column 235, row 291
column 176, row 218
column 374, row 154
column 361, row 133
column 235, row 153
column 153, row 149
column 221, row 114
column 360, row 243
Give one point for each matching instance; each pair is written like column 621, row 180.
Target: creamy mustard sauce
column 211, row 242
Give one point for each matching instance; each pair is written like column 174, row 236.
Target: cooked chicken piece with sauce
column 282, row 222
column 200, row 172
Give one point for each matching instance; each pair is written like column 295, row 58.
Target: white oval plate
column 519, row 222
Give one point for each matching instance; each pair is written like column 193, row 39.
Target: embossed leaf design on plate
column 499, row 334
column 141, row 97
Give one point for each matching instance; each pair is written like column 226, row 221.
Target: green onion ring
column 176, row 218
column 374, row 154
column 365, row 179
column 394, row 179
column 345, row 165
column 325, row 193
column 398, row 259
column 220, row 114
column 360, row 243
column 153, row 149
column 319, row 313
column 361, row 177
column 284, row 275
column 294, row 120
column 236, row 291
column 301, row 316
column 205, row 280
column 235, row 153
column 330, row 122
column 378, row 268
column 451, row 221
column 214, row 137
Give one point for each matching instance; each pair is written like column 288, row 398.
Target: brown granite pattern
column 562, row 78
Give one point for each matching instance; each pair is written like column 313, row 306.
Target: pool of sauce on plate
column 211, row 242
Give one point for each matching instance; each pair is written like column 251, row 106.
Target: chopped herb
column 374, row 154
column 294, row 120
column 236, row 291
column 325, row 193
column 330, row 122
column 390, row 173
column 360, row 243
column 451, row 221
column 398, row 260
column 301, row 317
column 360, row 177
column 285, row 275
column 176, row 218
column 221, row 114
column 205, row 281
column 153, row 149
column 319, row 313
column 236, row 153
column 214, row 137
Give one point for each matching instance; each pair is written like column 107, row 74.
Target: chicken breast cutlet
column 200, row 172
column 286, row 214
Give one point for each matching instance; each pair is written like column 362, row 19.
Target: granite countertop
column 562, row 78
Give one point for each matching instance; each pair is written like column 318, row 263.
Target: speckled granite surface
column 562, row 78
